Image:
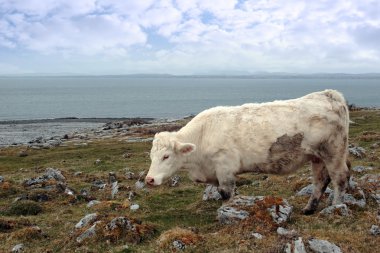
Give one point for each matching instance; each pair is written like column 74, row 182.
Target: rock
column 286, row 233
column 93, row 203
column 375, row 230
column 340, row 209
column 111, row 177
column 91, row 232
column 23, row 153
column 127, row 155
column 211, row 193
column 55, row 173
column 120, row 223
column 359, row 152
column 350, row 200
column 375, row 197
column 323, row 246
column 178, row 244
column 281, row 213
column 115, row 189
column 308, row 190
column 174, row 181
column 130, row 175
column 131, row 195
column 86, row 220
column 141, row 175
column 99, row 184
column 296, row 246
column 78, row 173
column 98, row 161
column 257, row 236
column 69, row 191
column 139, row 184
column 18, row 248
column 371, row 178
column 361, row 168
column 375, row 145
column 1, row 179
column 229, row 215
column 134, row 207
column 49, row 174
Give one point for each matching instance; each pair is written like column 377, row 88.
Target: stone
column 115, row 189
column 134, row 207
column 120, row 222
column 86, row 220
column 98, row 161
column 375, row 230
column 1, row 179
column 23, row 153
column 281, row 213
column 127, row 155
column 93, row 203
column 141, row 175
column 91, row 232
column 361, row 168
column 174, row 181
column 323, row 246
column 55, row 173
column 229, row 215
column 99, row 184
column 375, row 145
column 299, row 246
column 78, row 173
column 358, row 152
column 18, row 248
column 111, row 177
column 340, row 209
column 49, row 174
column 139, row 184
column 375, row 197
column 131, row 195
column 69, row 191
column 211, row 193
column 286, row 233
column 178, row 244
column 257, row 236
column 130, row 175
column 350, row 200
column 308, row 190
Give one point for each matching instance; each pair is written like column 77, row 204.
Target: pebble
column 178, row 244
column 375, row 230
column 257, row 236
column 134, row 207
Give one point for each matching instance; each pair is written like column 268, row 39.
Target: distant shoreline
column 71, row 120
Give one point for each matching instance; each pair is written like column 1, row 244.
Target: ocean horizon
column 164, row 96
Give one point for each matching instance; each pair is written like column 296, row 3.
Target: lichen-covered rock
column 114, row 189
column 241, row 207
column 296, row 246
column 323, row 246
column 375, row 230
column 1, row 179
column 18, row 248
column 308, row 190
column 120, row 222
column 358, row 152
column 350, row 200
column 361, row 168
column 211, row 193
column 340, row 209
column 139, row 185
column 93, row 203
column 87, row 220
column 178, row 244
column 91, row 232
column 99, row 184
column 50, row 174
column 174, row 181
column 55, row 173
column 286, row 233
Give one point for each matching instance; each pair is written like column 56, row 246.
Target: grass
column 172, row 212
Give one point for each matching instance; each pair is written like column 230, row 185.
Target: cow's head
column 168, row 156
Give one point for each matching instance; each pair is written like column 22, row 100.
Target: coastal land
column 81, row 189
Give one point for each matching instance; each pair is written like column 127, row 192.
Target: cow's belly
column 202, row 176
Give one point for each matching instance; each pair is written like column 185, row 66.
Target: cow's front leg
column 226, row 180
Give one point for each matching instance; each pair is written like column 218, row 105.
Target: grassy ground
column 168, row 208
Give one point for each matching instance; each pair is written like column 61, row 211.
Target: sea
column 162, row 97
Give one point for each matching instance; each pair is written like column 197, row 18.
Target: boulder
column 50, row 174
column 87, row 220
column 121, row 222
column 323, row 246
column 91, row 232
column 308, row 190
column 340, row 209
column 211, row 193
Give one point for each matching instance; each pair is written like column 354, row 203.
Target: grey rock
column 257, row 236
column 299, row 246
column 371, row 178
column 1, row 179
column 98, row 161
column 111, row 177
column 69, row 191
column 49, row 174
column 18, row 248
column 350, row 200
column 120, row 222
column 93, row 203
column 375, row 145
column 308, row 190
column 134, row 207
column 323, row 246
column 139, row 184
column 375, row 197
column 55, row 173
column 283, row 213
column 141, row 175
column 359, row 152
column 99, row 184
column 375, row 230
column 211, row 193
column 131, row 195
column 178, row 244
column 23, row 153
column 115, row 189
column 340, row 209
column 86, row 220
column 91, row 232
column 246, row 200
column 229, row 215
column 130, row 175
column 361, row 168
column 286, row 233
column 78, row 173
column 174, row 181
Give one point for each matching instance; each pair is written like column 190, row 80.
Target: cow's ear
column 184, row 148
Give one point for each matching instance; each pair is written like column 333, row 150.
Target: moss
column 25, row 207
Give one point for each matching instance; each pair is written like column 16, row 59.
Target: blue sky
column 188, row 36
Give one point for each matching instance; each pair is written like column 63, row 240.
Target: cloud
column 244, row 35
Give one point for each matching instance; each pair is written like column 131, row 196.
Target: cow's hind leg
column 340, row 174
column 321, row 179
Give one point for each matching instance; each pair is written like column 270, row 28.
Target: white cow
column 276, row 137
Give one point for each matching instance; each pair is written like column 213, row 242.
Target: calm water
column 54, row 97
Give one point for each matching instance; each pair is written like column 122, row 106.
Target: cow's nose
column 149, row 180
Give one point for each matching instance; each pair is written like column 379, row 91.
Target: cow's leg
column 321, row 179
column 339, row 174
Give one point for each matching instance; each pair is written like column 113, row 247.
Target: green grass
column 167, row 207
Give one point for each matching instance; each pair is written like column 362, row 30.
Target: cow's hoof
column 307, row 211
column 225, row 195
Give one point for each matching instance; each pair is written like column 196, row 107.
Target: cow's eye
column 165, row 157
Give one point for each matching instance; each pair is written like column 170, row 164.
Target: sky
column 187, row 37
